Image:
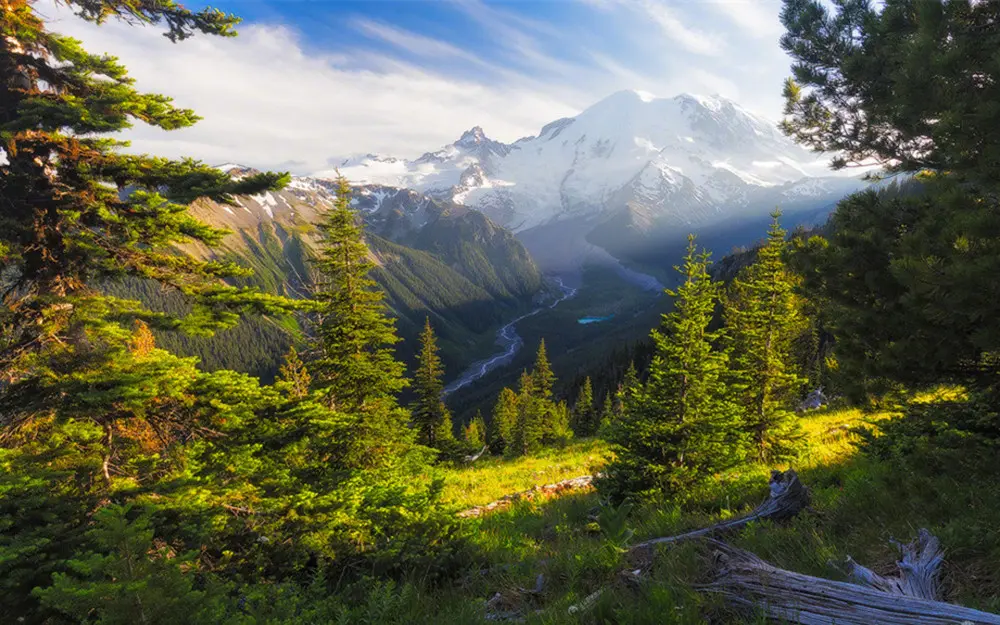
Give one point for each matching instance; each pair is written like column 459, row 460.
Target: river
column 509, row 342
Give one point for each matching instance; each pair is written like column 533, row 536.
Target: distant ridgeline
column 434, row 259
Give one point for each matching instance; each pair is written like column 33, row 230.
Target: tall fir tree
column 681, row 425
column 763, row 318
column 503, row 422
column 543, row 379
column 907, row 273
column 430, row 416
column 529, row 428
column 355, row 335
column 585, row 416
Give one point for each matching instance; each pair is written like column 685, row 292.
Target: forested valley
column 855, row 365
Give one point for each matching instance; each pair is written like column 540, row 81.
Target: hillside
column 859, row 503
column 433, row 259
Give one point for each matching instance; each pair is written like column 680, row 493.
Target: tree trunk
column 747, row 581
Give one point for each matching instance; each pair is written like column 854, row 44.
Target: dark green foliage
column 586, row 418
column 503, row 422
column 953, row 436
column 355, row 365
column 905, row 277
column 430, row 416
column 762, row 316
column 129, row 579
column 529, row 427
column 905, row 84
column 681, row 425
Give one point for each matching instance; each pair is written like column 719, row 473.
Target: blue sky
column 309, row 81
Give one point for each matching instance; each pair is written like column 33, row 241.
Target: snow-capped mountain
column 688, row 160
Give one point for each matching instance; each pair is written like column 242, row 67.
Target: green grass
column 491, row 478
column 858, row 505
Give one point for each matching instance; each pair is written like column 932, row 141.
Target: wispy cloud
column 756, row 18
column 273, row 96
column 691, row 39
column 414, row 43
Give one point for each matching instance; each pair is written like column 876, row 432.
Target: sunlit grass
column 490, row 478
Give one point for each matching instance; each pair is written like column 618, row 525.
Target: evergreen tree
column 355, row 336
column 529, row 427
column 542, row 377
column 475, row 432
column 900, row 83
column 430, row 415
column 681, row 425
column 585, row 416
column 79, row 213
column 556, row 424
column 503, row 422
column 763, row 317
column 127, row 580
column 607, row 415
column 906, row 274
column 293, row 377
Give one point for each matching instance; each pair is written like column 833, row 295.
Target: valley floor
column 556, row 547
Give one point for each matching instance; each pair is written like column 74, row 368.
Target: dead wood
column 787, row 497
column 918, row 569
column 749, row 582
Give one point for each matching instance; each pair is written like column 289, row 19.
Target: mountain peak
column 473, row 136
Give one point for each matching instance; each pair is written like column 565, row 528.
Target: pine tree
column 123, row 582
column 78, row 213
column 607, row 415
column 503, row 422
column 906, row 273
column 763, row 317
column 585, row 416
column 356, row 371
column 475, row 432
column 355, row 335
column 429, row 414
column 542, row 377
column 529, row 428
column 293, row 377
column 681, row 425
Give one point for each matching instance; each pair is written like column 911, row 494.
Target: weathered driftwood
column 475, row 456
column 787, row 498
column 576, row 483
column 747, row 581
column 918, row 569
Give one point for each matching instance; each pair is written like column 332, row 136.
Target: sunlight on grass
column 491, row 478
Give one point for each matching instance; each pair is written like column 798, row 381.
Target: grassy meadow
column 858, row 505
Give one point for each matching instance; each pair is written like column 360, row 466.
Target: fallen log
column 749, row 582
column 787, row 497
column 918, row 569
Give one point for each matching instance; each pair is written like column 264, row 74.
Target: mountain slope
column 434, row 259
column 634, row 168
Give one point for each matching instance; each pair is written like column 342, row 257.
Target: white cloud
column 691, row 39
column 269, row 99
column 756, row 18
column 265, row 99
